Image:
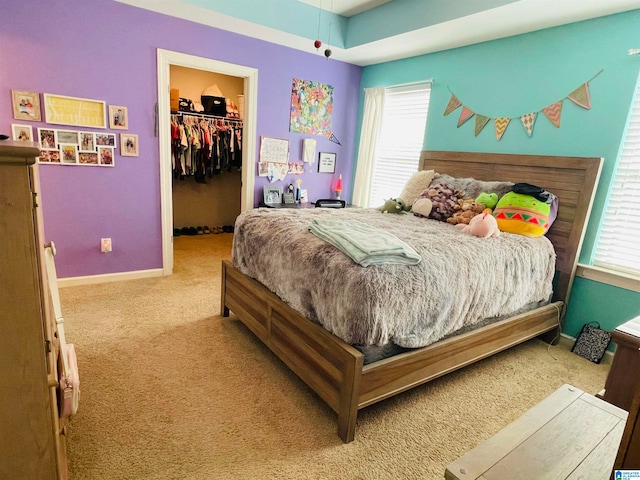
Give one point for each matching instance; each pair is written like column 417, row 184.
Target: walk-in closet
column 206, row 149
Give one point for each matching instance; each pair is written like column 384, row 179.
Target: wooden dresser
column 32, row 442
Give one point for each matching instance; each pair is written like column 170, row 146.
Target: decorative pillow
column 472, row 187
column 418, row 182
column 444, row 198
column 522, row 214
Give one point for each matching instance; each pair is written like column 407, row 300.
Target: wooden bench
column 568, row 435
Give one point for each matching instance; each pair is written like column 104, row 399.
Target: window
column 401, row 138
column 617, row 242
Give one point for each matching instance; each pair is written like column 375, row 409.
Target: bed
column 336, row 370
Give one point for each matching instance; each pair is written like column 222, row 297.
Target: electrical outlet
column 105, row 245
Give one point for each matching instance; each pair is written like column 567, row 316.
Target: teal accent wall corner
column 514, row 76
column 593, row 301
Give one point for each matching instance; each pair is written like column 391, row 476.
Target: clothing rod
column 206, row 115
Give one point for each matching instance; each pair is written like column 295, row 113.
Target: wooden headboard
column 572, row 179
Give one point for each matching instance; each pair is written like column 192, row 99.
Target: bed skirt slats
column 333, row 370
column 388, row 377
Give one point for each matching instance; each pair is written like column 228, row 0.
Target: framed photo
column 327, row 163
column 88, row 158
column 47, row 138
column 272, row 194
column 128, row 145
column 118, row 117
column 49, row 156
column 87, row 142
column 69, row 153
column 67, row 136
column 22, row 132
column 288, row 197
column 80, row 112
column 26, row 105
column 106, row 139
column 105, row 156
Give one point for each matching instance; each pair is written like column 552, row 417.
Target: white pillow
column 418, row 182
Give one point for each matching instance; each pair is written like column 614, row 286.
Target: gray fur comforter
column 460, row 281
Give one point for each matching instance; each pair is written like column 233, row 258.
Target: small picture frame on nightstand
column 288, row 198
column 272, row 194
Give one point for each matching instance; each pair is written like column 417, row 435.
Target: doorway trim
column 166, row 58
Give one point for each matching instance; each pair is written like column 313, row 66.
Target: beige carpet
column 171, row 390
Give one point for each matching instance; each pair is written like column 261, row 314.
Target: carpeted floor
column 171, row 390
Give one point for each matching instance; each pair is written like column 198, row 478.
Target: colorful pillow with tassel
column 526, row 210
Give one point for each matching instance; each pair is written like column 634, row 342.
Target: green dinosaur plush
column 394, row 205
column 490, row 200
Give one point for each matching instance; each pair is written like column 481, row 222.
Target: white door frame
column 167, row 58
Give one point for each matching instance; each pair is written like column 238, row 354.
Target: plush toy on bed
column 489, row 200
column 465, row 210
column 443, row 199
column 483, row 225
column 394, row 205
column 527, row 210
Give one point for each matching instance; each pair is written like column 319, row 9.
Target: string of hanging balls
column 327, row 51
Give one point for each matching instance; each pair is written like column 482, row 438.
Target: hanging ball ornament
column 327, row 52
column 317, row 44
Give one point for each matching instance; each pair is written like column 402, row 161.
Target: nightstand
column 624, row 376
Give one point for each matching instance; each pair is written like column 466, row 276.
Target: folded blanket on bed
column 364, row 244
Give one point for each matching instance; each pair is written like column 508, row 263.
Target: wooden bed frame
column 335, row 370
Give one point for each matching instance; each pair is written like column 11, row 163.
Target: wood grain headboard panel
column 572, row 179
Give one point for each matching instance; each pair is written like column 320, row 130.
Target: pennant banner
column 528, row 120
column 553, row 113
column 501, row 126
column 452, row 105
column 580, row 96
column 481, row 121
column 465, row 115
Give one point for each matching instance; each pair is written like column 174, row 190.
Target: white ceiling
column 346, row 8
column 514, row 18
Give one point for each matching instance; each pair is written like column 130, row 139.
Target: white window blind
column 617, row 247
column 401, row 139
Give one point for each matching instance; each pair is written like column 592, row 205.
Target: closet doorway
column 179, row 62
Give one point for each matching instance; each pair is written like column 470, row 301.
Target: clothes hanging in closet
column 203, row 147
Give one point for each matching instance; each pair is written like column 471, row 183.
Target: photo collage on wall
column 73, row 147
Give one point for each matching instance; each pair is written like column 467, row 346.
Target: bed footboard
column 326, row 364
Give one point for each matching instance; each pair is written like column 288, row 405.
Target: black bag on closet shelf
column 185, row 105
column 214, row 105
column 592, row 342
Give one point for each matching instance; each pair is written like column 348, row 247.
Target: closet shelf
column 205, row 115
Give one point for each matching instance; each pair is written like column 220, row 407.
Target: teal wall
column 525, row 73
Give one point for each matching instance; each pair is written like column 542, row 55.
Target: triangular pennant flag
column 333, row 138
column 580, row 96
column 553, row 113
column 501, row 126
column 465, row 115
column 528, row 120
column 481, row 121
column 452, row 105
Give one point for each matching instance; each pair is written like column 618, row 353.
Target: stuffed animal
column 488, row 199
column 522, row 214
column 465, row 210
column 483, row 226
column 422, row 207
column 443, row 199
column 394, row 205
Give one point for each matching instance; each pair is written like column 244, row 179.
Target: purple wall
column 106, row 51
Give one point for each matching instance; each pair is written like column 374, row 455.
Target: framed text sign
column 81, row 112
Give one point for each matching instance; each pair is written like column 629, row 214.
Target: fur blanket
column 460, row 281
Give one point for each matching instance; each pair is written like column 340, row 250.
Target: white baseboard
column 109, row 277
